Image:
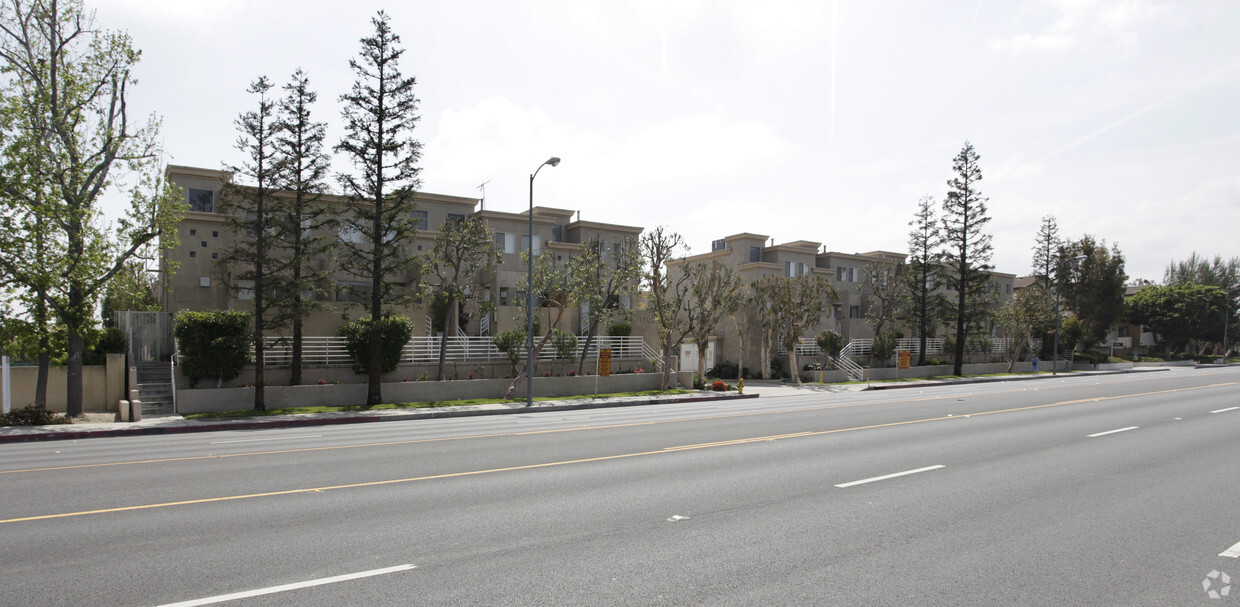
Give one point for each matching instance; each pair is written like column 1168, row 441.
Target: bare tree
column 667, row 294
column 714, row 292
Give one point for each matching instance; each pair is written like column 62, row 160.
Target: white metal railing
column 331, row 352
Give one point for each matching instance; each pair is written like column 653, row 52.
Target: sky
column 816, row 120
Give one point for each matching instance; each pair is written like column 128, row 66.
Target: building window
column 557, row 233
column 204, row 244
column 718, row 245
column 213, row 255
column 843, row 274
column 350, row 233
column 193, row 232
column 454, row 217
column 215, row 234
column 421, row 219
column 787, row 268
column 525, row 243
column 202, row 201
column 854, row 311
column 837, row 311
column 204, row 281
column 755, row 254
column 353, row 292
column 1125, row 331
column 245, row 290
column 804, row 269
column 193, row 254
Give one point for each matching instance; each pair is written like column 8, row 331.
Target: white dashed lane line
column 223, row 598
column 1225, row 410
column 887, row 476
column 1111, row 432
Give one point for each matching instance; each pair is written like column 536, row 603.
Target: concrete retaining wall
column 103, row 386
column 203, row 400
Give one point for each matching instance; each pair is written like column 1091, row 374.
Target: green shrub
column 213, row 344
column 34, row 415
column 620, row 329
column 512, row 343
column 698, row 383
column 565, row 344
column 884, row 347
column 830, row 342
column 394, row 333
column 724, row 370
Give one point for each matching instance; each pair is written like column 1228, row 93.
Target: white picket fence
column 330, row 351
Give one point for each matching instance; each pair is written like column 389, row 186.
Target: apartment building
column 200, row 282
column 754, row 256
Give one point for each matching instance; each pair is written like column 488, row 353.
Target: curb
column 990, row 380
column 415, row 414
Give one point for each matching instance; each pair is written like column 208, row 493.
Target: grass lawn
column 418, row 405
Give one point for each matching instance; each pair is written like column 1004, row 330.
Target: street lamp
column 529, row 293
column 1059, row 318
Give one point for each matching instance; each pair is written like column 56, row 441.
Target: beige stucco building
column 201, row 282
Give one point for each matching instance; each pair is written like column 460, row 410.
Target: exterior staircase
column 155, row 388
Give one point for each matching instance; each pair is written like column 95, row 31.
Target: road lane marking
column 887, row 476
column 560, row 463
column 255, row 440
column 1225, row 410
column 609, row 427
column 1111, row 432
column 287, row 587
column 1233, row 552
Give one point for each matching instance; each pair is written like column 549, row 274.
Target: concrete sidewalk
column 175, row 424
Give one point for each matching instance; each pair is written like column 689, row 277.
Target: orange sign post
column 604, row 362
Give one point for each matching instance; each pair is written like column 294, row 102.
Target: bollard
column 123, row 409
column 135, row 410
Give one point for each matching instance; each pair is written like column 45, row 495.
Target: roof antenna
column 483, row 201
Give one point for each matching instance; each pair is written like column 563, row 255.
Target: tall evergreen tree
column 380, row 113
column 250, row 259
column 923, row 268
column 302, row 219
column 1046, row 250
column 69, row 84
column 967, row 248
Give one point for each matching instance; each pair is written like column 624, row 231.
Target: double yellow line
column 664, row 451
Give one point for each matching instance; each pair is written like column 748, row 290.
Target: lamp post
column 1059, row 319
column 529, row 293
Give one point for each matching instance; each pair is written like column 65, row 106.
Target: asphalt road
column 1115, row 490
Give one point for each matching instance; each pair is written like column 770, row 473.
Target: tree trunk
column 740, row 351
column 295, row 373
column 448, row 321
column 1020, row 349
column 701, row 370
column 792, row 365
column 958, row 363
column 40, row 386
column 667, row 370
column 73, row 368
column 585, row 350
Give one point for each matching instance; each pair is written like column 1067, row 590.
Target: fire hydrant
column 740, row 386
